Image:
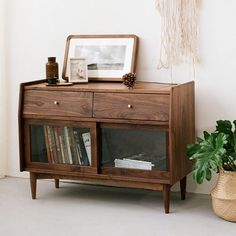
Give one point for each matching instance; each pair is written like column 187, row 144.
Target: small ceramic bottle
column 52, row 70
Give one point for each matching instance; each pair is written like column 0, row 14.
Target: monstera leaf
column 225, row 126
column 207, row 154
column 214, row 151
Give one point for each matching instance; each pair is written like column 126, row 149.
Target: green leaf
column 208, row 174
column 213, row 165
column 214, row 151
column 198, row 140
column 224, row 126
column 207, row 155
column 200, row 176
column 206, row 134
column 191, row 149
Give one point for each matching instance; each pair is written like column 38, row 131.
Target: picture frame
column 109, row 57
column 78, row 72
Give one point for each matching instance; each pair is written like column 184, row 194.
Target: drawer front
column 58, row 103
column 131, row 106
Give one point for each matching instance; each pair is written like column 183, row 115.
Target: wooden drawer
column 57, row 103
column 131, row 106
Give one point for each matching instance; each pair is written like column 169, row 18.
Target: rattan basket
column 224, row 196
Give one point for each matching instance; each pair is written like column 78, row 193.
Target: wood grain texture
column 26, row 145
column 102, row 179
column 64, row 122
column 134, row 126
column 76, row 174
column 21, row 127
column 183, row 183
column 131, row 106
column 33, row 184
column 62, row 167
column 55, row 118
column 108, row 182
column 21, row 133
column 161, row 107
column 166, row 197
column 56, row 181
column 94, row 147
column 158, row 176
column 61, row 103
column 182, row 130
column 108, row 87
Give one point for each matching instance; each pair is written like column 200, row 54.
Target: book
column 58, row 146
column 47, row 144
column 52, row 145
column 158, row 161
column 84, row 160
column 64, row 151
column 74, row 151
column 63, row 161
column 87, row 144
column 146, row 161
column 68, row 146
column 77, row 142
column 133, row 164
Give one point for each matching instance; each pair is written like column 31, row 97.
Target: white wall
column 38, row 29
column 3, row 111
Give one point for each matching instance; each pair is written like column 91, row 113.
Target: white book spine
column 87, row 144
column 68, row 145
column 133, row 164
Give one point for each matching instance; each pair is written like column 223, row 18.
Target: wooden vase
column 224, row 196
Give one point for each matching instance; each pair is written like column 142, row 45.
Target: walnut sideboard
column 104, row 133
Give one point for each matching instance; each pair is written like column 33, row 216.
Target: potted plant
column 216, row 152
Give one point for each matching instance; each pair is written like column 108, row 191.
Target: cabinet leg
column 166, row 197
column 183, row 183
column 33, row 184
column 56, row 183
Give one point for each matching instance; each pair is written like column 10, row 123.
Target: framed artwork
column 108, row 57
column 78, row 70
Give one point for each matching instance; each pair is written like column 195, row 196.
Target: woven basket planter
column 224, row 196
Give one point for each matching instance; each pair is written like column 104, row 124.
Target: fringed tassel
column 179, row 31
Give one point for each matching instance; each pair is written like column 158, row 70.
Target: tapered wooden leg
column 166, row 197
column 33, row 184
column 56, row 183
column 183, row 183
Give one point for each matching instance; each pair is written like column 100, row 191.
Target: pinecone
column 129, row 79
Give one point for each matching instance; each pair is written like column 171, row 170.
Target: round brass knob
column 130, row 106
column 56, row 102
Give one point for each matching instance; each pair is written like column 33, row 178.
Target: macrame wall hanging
column 179, row 32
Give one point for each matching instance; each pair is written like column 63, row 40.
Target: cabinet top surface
column 139, row 87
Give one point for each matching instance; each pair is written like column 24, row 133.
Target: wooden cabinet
column 104, row 133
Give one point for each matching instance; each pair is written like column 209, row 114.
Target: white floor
column 76, row 209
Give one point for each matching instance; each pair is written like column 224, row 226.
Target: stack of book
column 144, row 161
column 133, row 164
column 67, row 145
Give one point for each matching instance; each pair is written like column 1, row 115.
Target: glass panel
column 60, row 144
column 37, row 142
column 133, row 148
